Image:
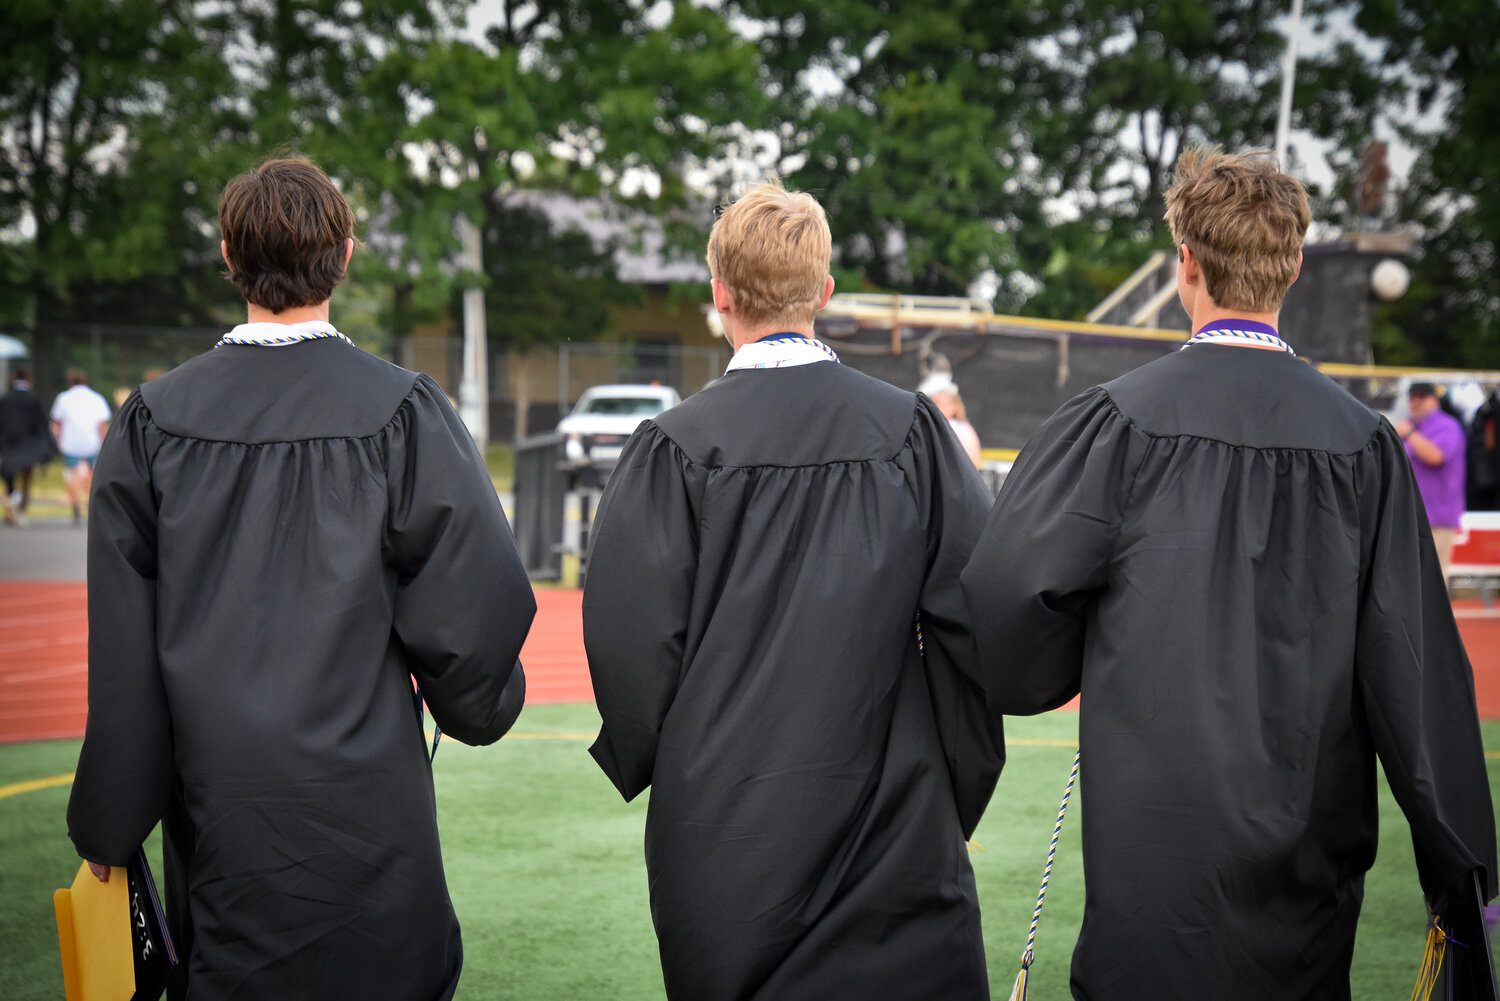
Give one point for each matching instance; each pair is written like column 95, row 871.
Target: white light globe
column 1390, row 279
column 715, row 322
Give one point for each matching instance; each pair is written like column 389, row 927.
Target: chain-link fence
column 548, row 381
column 115, row 357
column 686, row 369
column 1011, row 381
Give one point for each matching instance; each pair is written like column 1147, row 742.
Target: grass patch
column 546, row 871
column 48, row 497
column 500, row 460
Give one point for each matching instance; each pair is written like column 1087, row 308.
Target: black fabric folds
column 1227, row 555
column 760, row 557
column 280, row 539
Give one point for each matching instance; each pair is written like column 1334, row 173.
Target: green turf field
column 545, row 869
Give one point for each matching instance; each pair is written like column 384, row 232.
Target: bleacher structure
column 1012, row 371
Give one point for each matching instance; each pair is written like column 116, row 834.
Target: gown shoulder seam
column 382, row 429
column 1164, row 436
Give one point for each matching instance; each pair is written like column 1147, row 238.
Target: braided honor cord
column 1029, row 955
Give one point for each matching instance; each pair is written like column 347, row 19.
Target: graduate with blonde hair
column 780, row 650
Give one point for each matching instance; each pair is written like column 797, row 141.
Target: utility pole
column 1288, row 78
column 474, row 385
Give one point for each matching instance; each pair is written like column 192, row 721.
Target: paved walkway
column 46, row 549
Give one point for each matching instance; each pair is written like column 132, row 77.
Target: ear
column 348, row 251
column 224, row 253
column 723, row 298
column 1187, row 265
column 827, row 291
column 1298, row 273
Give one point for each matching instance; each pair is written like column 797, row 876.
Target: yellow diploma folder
column 93, row 933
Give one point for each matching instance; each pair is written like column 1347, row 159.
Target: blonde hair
column 1244, row 220
column 771, row 249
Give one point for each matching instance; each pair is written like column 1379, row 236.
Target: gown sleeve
column 1418, row 691
column 1046, row 551
column 463, row 601
column 955, row 503
column 125, row 771
column 641, row 567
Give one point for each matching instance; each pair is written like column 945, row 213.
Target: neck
column 297, row 314
column 743, row 337
column 1210, row 312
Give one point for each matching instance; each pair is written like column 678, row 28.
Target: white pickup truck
column 605, row 416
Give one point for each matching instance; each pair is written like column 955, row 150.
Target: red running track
column 44, row 656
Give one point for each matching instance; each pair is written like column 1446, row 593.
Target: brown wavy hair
column 1244, row 221
column 285, row 225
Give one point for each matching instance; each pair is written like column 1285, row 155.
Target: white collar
column 277, row 335
column 781, row 351
column 1242, row 333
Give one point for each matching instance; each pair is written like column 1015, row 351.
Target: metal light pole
column 1288, row 78
column 474, row 386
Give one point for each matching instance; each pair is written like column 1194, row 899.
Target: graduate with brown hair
column 286, row 531
column 1226, row 555
column 762, row 553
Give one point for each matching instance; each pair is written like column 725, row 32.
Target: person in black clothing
column 816, row 752
column 25, row 443
column 284, row 532
column 1226, row 555
column 1482, row 469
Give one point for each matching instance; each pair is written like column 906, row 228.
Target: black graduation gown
column 760, row 556
column 280, row 538
column 1227, row 554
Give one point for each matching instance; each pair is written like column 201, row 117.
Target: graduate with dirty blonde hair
column 1225, row 554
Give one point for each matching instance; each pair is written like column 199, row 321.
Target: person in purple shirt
column 1435, row 444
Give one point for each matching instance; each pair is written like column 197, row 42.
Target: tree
column 912, row 122
column 1451, row 48
column 79, row 83
column 121, row 120
column 1152, row 79
column 581, row 98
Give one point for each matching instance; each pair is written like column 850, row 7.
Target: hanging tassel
column 1432, row 961
column 1018, row 992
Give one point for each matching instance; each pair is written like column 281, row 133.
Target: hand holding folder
column 113, row 936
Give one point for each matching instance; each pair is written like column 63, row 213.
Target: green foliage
column 1451, row 48
column 1017, row 146
column 85, row 87
column 1088, row 261
column 583, row 98
column 548, row 285
column 907, row 120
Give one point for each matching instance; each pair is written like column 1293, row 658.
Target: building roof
column 642, row 254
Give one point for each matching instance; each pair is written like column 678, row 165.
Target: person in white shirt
column 942, row 390
column 79, row 419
